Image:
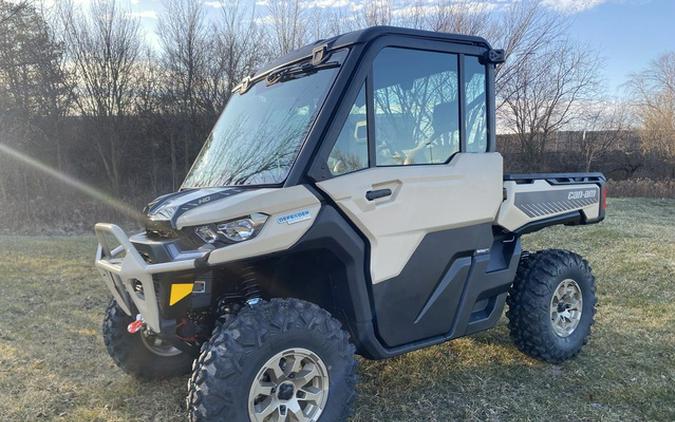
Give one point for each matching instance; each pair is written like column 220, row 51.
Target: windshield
column 260, row 132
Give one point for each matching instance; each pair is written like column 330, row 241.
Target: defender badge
column 295, row 217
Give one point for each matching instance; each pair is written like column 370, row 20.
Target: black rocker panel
column 422, row 301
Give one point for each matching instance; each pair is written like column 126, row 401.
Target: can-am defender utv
column 348, row 200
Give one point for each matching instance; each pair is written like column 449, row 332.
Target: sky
column 628, row 34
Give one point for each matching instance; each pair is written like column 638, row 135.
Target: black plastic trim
column 453, row 273
column 481, row 304
column 557, row 178
column 422, row 282
column 570, row 218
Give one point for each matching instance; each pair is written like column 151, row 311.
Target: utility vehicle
column 349, row 200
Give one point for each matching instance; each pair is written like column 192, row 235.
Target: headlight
column 232, row 231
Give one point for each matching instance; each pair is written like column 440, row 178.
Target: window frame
column 363, row 73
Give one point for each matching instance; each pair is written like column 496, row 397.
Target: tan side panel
column 511, row 217
column 274, row 236
column 424, row 199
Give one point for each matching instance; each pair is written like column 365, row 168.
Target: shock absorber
column 249, row 286
column 248, row 292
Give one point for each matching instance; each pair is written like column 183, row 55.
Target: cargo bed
column 533, row 201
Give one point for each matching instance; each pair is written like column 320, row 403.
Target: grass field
column 53, row 364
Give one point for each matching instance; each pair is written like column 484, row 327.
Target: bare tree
column 103, row 46
column 377, row 12
column 147, row 110
column 185, row 41
column 472, row 18
column 653, row 91
column 10, row 10
column 32, row 76
column 288, row 27
column 337, row 20
column 524, row 30
column 545, row 93
column 12, row 57
column 239, row 48
column 35, row 94
column 603, row 125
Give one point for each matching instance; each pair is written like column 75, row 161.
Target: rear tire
column 552, row 305
column 240, row 376
column 133, row 353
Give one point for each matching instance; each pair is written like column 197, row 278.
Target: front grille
column 159, row 230
column 159, row 234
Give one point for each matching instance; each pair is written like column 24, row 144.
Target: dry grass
column 645, row 188
column 53, row 364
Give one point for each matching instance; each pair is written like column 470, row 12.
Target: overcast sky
column 627, row 33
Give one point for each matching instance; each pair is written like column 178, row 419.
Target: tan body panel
column 512, row 216
column 274, row 236
column 425, row 198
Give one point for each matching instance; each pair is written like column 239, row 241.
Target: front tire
column 140, row 355
column 552, row 305
column 272, row 360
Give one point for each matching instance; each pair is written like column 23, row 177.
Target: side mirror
column 493, row 56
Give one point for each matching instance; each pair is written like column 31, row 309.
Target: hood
column 168, row 208
column 211, row 205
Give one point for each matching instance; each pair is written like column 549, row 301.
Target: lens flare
column 88, row 190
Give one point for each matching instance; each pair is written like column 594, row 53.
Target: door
column 403, row 174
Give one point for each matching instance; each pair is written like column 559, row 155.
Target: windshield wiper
column 318, row 62
column 298, row 71
column 285, row 74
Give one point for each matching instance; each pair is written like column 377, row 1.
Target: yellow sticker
column 179, row 291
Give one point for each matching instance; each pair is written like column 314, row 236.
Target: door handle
column 372, row 195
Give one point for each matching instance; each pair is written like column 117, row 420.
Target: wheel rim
column 291, row 386
column 566, row 307
column 158, row 346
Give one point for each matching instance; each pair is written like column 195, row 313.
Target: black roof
column 368, row 34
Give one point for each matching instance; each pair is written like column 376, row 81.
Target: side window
column 350, row 152
column 415, row 106
column 476, row 108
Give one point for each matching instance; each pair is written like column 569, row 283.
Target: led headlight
column 206, row 233
column 232, row 231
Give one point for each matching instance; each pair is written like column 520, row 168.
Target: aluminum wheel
column 566, row 307
column 158, row 346
column 291, row 386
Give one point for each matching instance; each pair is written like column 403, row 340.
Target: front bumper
column 123, row 270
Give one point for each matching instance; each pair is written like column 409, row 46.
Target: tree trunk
column 3, row 180
column 172, row 144
column 186, row 155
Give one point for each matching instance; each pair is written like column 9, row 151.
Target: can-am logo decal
column 580, row 194
column 295, row 217
column 550, row 202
